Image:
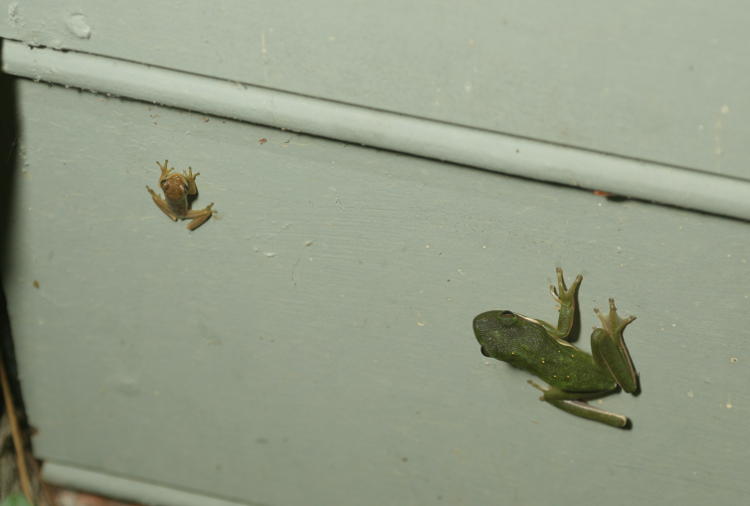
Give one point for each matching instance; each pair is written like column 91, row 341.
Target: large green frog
column 573, row 375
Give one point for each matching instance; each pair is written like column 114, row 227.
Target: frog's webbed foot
column 165, row 170
column 609, row 350
column 199, row 217
column 575, row 404
column 612, row 323
column 561, row 293
column 566, row 298
column 190, row 178
column 162, row 204
column 189, row 175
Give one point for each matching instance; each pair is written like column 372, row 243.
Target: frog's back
column 567, row 367
column 557, row 362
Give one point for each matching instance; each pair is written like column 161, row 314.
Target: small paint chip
column 13, row 14
column 732, row 360
column 78, row 26
column 36, row 284
column 262, row 140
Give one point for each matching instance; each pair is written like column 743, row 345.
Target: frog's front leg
column 609, row 350
column 162, row 204
column 199, row 217
column 164, row 171
column 574, row 403
column 566, row 298
column 190, row 178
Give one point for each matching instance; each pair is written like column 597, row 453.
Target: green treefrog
column 179, row 190
column 573, row 375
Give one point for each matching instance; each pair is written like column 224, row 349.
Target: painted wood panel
column 312, row 344
column 664, row 82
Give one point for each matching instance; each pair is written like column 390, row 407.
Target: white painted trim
column 505, row 154
column 122, row 488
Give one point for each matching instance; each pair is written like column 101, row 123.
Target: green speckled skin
column 574, row 376
column 526, row 345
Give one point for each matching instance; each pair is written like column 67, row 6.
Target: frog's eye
column 507, row 318
column 484, row 352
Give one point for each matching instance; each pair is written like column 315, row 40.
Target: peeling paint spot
column 126, row 385
column 718, row 130
column 78, row 26
column 13, row 17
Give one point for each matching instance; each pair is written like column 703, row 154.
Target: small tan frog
column 179, row 190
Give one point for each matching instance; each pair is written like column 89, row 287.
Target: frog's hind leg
column 575, row 404
column 199, row 217
column 586, row 410
column 162, row 204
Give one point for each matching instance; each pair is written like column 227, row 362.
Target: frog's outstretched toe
column 612, row 322
column 561, row 293
column 538, row 387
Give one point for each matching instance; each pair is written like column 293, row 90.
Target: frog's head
column 499, row 333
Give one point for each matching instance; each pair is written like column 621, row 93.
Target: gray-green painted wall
column 313, row 344
column 662, row 81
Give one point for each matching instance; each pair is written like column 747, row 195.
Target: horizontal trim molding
column 123, row 488
column 461, row 145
